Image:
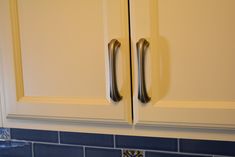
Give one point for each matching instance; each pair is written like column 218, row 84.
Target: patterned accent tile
column 4, row 133
column 87, row 139
column 132, row 153
column 35, row 135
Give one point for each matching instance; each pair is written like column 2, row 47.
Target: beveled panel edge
column 17, row 49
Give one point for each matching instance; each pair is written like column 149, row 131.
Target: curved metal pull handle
column 141, row 46
column 113, row 47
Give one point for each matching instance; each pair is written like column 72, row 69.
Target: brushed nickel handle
column 142, row 46
column 113, row 47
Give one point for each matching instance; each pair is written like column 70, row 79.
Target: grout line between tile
column 84, row 151
column 58, row 137
column 9, row 133
column 32, row 147
column 114, row 141
column 178, row 145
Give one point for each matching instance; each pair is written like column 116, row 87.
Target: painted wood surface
column 189, row 64
column 55, row 59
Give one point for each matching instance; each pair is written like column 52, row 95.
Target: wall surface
column 68, row 144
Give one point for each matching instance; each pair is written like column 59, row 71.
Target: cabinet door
column 189, row 64
column 55, row 59
column 0, row 113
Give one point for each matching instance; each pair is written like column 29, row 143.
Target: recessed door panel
column 189, row 63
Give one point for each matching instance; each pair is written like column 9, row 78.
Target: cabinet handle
column 113, row 47
column 142, row 46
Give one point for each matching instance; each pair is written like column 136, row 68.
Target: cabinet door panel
column 189, row 63
column 60, row 51
column 1, row 111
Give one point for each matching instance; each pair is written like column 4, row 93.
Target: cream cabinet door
column 55, row 62
column 189, row 63
column 0, row 113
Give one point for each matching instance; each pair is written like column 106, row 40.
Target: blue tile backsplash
column 158, row 154
column 87, row 139
column 40, row 143
column 152, row 143
column 34, row 135
column 100, row 152
column 15, row 149
column 207, row 147
column 53, row 150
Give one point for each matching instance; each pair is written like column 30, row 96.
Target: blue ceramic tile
column 49, row 150
column 152, row 143
column 157, row 154
column 220, row 156
column 207, row 147
column 87, row 139
column 96, row 152
column 7, row 144
column 34, row 135
column 4, row 133
column 19, row 150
